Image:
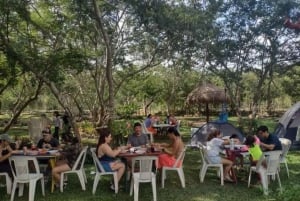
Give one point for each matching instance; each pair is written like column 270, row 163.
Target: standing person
column 268, row 142
column 66, row 128
column 172, row 150
column 107, row 155
column 214, row 143
column 69, row 155
column 5, row 152
column 137, row 138
column 57, row 124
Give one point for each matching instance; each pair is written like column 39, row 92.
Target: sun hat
column 5, row 137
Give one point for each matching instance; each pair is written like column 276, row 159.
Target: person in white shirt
column 214, row 143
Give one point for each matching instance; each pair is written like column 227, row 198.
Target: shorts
column 215, row 159
column 106, row 166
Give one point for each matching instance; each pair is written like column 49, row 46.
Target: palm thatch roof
column 207, row 93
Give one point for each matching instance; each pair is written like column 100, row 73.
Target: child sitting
column 254, row 149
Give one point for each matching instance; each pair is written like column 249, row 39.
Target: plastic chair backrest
column 97, row 163
column 80, row 159
column 22, row 166
column 273, row 161
column 286, row 144
column 203, row 151
column 180, row 158
column 144, row 166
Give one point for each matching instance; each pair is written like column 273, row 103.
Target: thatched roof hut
column 207, row 93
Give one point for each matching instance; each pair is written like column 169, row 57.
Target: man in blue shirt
column 268, row 142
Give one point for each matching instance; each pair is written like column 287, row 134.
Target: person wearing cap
column 268, row 141
column 48, row 142
column 5, row 152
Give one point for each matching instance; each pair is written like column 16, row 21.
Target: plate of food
column 54, row 151
column 32, row 153
column 43, row 151
column 140, row 151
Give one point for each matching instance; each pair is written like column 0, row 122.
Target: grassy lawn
column 195, row 191
column 210, row 190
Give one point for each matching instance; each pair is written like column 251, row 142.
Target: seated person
column 5, row 152
column 149, row 121
column 68, row 156
column 172, row 120
column 48, row 142
column 170, row 151
column 254, row 149
column 214, row 144
column 137, row 138
column 107, row 155
column 237, row 141
column 235, row 138
column 268, row 142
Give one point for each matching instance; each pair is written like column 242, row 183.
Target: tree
column 250, row 37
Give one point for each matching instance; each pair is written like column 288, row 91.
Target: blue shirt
column 273, row 139
column 148, row 122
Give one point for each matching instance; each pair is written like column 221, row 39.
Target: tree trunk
column 20, row 107
column 109, row 64
column 60, row 98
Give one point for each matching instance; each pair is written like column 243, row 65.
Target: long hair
column 103, row 133
column 213, row 134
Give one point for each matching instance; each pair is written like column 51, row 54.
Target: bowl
column 53, row 151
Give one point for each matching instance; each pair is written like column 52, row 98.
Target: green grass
column 195, row 191
column 210, row 190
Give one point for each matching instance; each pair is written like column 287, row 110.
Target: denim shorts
column 106, row 166
column 215, row 159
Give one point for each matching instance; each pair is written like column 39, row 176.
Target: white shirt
column 214, row 147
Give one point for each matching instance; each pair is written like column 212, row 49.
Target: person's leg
column 56, row 171
column 227, row 166
column 56, row 133
column 119, row 167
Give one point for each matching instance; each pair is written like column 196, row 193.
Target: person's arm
column 268, row 147
column 106, row 149
column 6, row 156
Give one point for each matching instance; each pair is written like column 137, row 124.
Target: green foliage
column 126, row 111
column 87, row 127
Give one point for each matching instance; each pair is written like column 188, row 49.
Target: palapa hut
column 205, row 94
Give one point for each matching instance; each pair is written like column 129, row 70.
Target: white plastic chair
column 178, row 167
column 147, row 132
column 206, row 164
column 178, row 125
column 286, row 144
column 272, row 159
column 25, row 169
column 141, row 170
column 100, row 172
column 77, row 169
column 8, row 182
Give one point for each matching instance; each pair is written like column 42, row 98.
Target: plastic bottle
column 231, row 144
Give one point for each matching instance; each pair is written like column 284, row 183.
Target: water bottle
column 231, row 144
